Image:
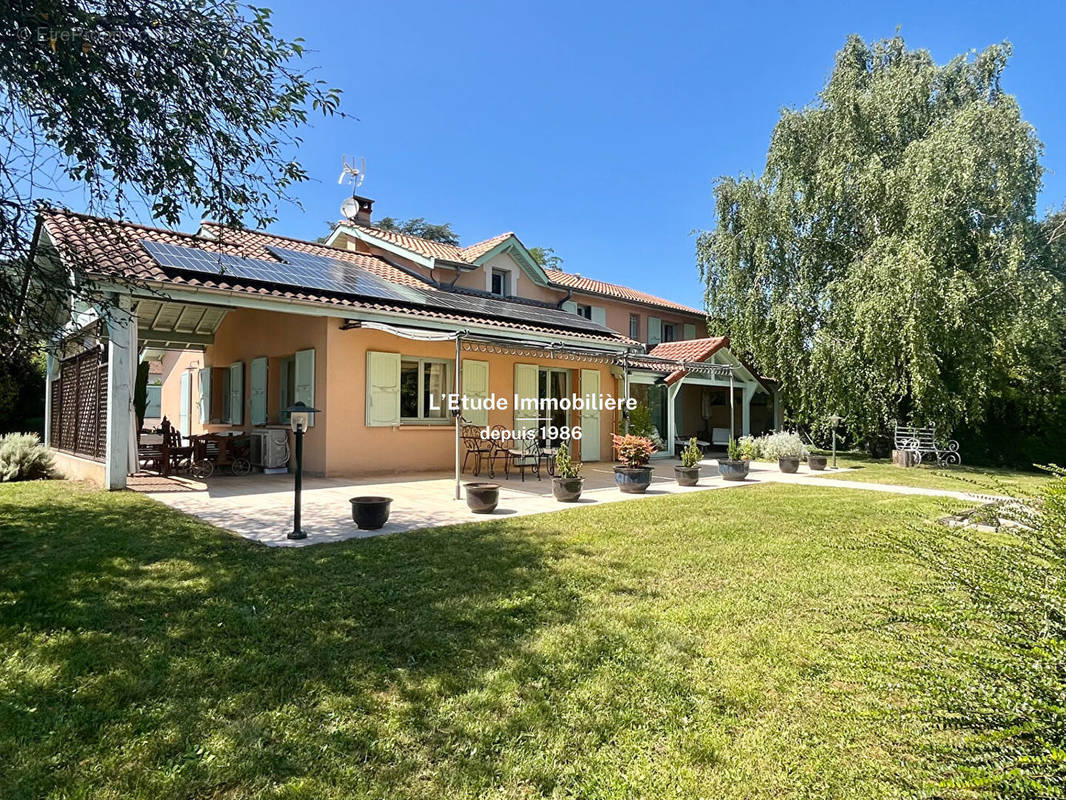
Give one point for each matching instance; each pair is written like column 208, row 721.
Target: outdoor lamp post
column 299, row 417
column 834, row 421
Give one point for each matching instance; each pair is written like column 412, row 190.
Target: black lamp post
column 299, row 417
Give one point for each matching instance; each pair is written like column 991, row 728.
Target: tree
column 173, row 105
column 546, row 258
column 417, row 226
column 885, row 265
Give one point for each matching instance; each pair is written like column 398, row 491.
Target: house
column 374, row 328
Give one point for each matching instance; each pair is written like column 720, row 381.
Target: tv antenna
column 351, row 173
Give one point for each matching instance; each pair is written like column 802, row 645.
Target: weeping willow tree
column 885, row 265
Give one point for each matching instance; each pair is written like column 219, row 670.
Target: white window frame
column 449, row 384
column 506, row 278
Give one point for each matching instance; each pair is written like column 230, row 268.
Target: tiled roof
column 690, row 349
column 416, row 244
column 583, row 284
column 111, row 249
column 475, row 251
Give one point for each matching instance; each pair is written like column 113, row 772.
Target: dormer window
column 501, row 282
column 584, row 311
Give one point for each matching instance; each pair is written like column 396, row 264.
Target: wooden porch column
column 745, row 410
column 51, row 365
column 672, row 392
column 121, row 329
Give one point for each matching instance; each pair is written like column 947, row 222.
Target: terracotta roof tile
column 475, row 251
column 582, row 284
column 111, row 249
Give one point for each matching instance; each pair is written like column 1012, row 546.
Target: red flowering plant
column 633, row 451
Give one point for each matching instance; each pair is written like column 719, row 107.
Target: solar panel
column 515, row 312
column 325, row 274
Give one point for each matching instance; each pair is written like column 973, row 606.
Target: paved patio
column 259, row 507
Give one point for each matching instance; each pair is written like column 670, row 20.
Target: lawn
column 964, row 478
column 718, row 644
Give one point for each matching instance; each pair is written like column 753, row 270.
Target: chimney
column 366, row 206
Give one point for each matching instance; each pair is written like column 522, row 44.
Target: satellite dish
column 350, row 208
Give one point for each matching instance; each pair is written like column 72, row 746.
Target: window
column 287, row 387
column 423, row 384
column 501, row 282
column 584, row 311
column 153, row 407
column 669, row 332
column 634, row 327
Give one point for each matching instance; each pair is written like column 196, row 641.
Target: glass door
column 554, row 384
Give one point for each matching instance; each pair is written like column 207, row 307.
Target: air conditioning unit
column 270, row 449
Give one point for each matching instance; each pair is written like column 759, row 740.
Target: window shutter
column 525, row 387
column 655, row 330
column 690, row 331
column 476, row 386
column 570, row 306
column 257, row 403
column 382, row 389
column 236, row 393
column 304, row 381
column 599, row 315
column 205, row 395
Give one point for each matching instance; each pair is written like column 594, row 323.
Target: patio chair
column 474, row 446
column 526, row 456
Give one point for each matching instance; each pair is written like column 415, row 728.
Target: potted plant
column 634, row 475
column 566, row 485
column 816, row 462
column 482, row 498
column 370, row 513
column 688, row 472
column 789, row 462
column 733, row 467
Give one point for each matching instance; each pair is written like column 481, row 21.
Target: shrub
column 691, row 456
column 640, row 424
column 772, row 446
column 565, row 466
column 734, row 452
column 1003, row 692
column 633, row 451
column 23, row 458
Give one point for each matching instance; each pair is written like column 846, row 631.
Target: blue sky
column 598, row 129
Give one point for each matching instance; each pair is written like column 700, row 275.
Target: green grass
column 962, row 478
column 719, row 644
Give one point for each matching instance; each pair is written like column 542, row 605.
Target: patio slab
column 259, row 507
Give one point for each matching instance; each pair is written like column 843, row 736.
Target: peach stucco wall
column 340, row 443
column 174, row 363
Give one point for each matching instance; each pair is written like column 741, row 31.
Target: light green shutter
column 257, row 402
column 476, row 387
column 655, row 330
column 690, row 331
column 382, row 388
column 236, row 393
column 304, row 382
column 599, row 315
column 205, row 395
column 525, row 387
column 590, row 420
column 570, row 306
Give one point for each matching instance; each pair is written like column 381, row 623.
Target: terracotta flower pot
column 482, row 498
column 687, row 476
column 733, row 470
column 632, row 480
column 370, row 513
column 567, row 490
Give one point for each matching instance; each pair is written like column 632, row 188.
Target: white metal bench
column 922, row 442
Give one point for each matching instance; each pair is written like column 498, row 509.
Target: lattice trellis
column 79, row 406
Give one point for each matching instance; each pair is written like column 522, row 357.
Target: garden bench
column 917, row 443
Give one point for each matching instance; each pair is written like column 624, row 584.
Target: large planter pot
column 370, row 513
column 567, row 490
column 632, row 480
column 816, row 462
column 788, row 463
column 687, row 476
column 733, row 470
column 482, row 498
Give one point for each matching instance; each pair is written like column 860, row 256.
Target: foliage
column 734, row 450
column 772, row 446
column 22, row 392
column 417, row 226
column 888, row 264
column 565, row 466
column 546, row 258
column 640, row 424
column 692, row 455
column 24, row 458
column 174, row 106
column 1003, row 692
column 633, row 450
column 149, row 655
